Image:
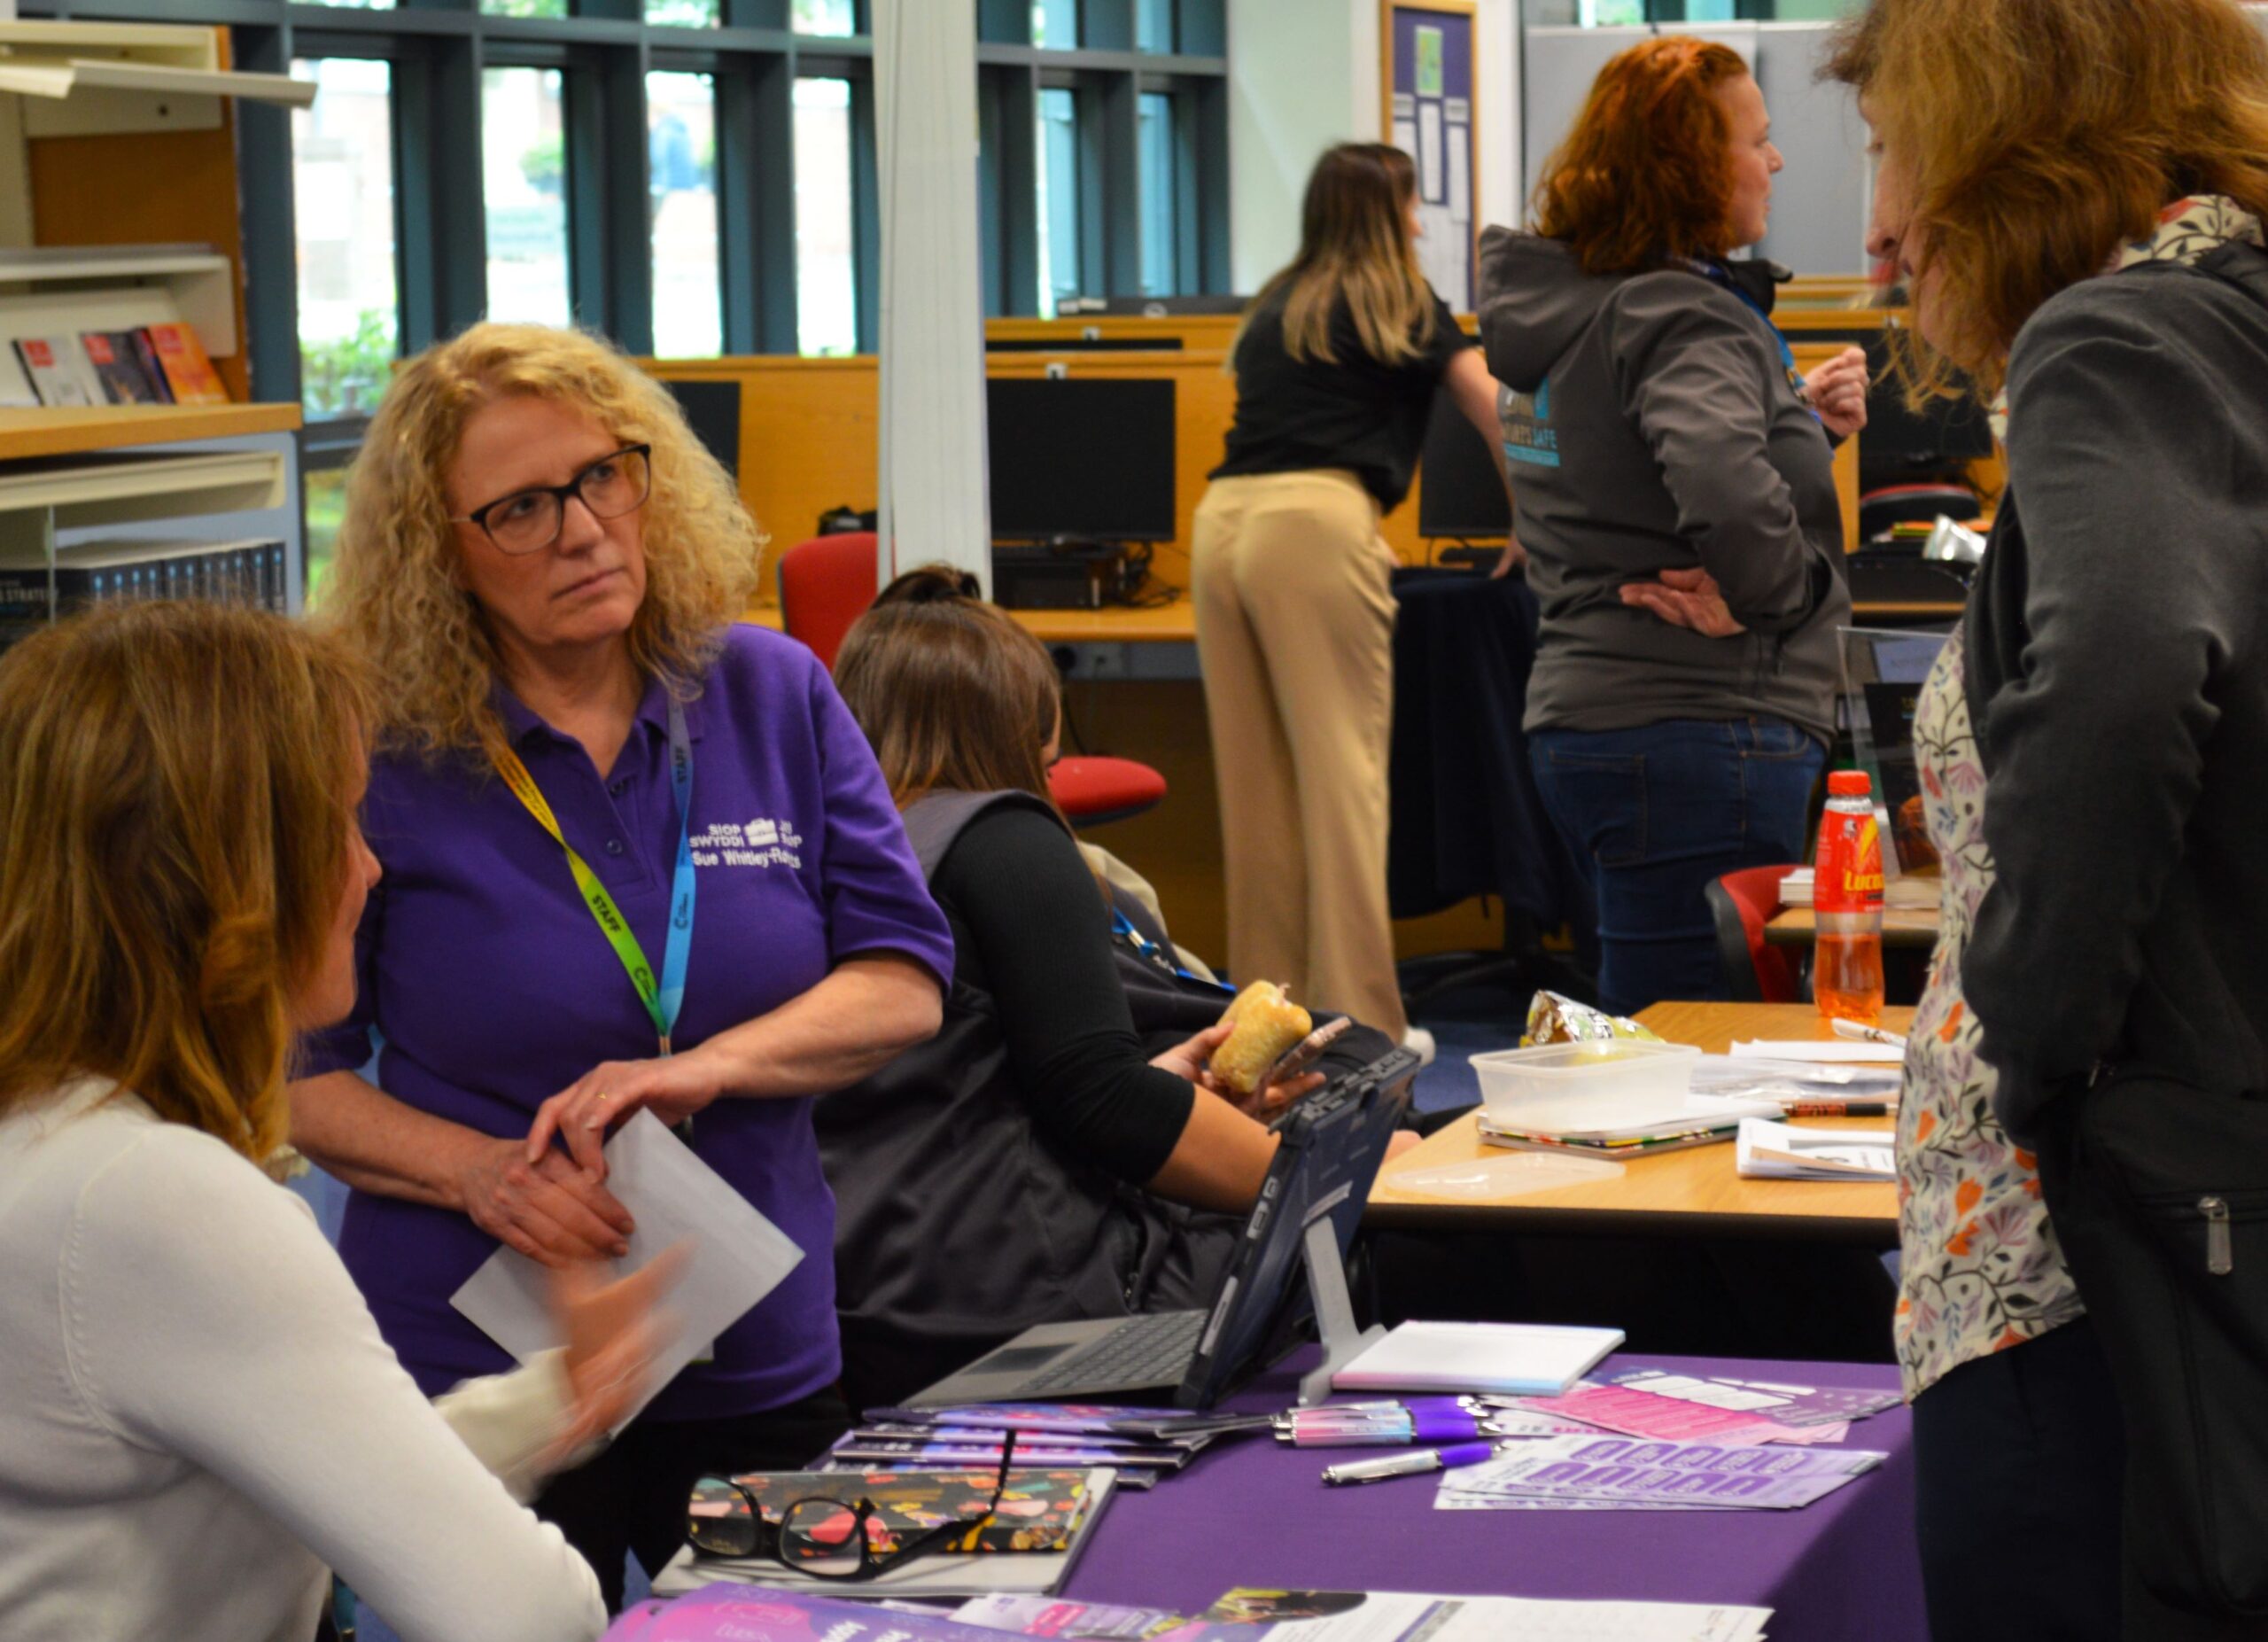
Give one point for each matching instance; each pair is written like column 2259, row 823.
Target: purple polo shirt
column 491, row 988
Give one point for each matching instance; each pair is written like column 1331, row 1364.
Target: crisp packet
column 1554, row 1018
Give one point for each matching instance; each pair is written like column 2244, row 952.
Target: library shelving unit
column 134, row 474
column 119, row 206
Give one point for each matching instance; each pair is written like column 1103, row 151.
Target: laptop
column 1333, row 1144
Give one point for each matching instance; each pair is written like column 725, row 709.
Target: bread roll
column 1264, row 1024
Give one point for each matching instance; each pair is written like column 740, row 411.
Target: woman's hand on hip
column 1685, row 598
column 1837, row 390
column 673, row 1087
column 547, row 1207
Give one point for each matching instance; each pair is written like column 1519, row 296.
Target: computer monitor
column 1901, row 447
column 1078, row 458
column 712, row 410
column 1460, row 480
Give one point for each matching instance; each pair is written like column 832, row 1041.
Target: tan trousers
column 1295, row 634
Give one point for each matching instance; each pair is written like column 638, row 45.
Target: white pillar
column 933, row 506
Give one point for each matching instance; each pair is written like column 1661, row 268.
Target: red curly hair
column 1644, row 174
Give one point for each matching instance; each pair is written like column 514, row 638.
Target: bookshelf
column 118, row 196
column 83, row 483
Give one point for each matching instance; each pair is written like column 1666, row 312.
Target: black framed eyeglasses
column 826, row 1537
column 528, row 521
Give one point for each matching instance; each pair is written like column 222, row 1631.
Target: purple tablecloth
column 1251, row 1512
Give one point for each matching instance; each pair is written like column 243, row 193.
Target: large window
column 343, row 207
column 827, row 273
column 1153, row 25
column 1058, row 198
column 1055, row 23
column 826, row 17
column 1155, row 120
column 682, row 157
column 682, row 14
column 523, row 192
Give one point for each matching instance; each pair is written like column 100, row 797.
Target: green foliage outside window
column 343, row 376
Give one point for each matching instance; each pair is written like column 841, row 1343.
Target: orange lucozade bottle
column 1846, row 902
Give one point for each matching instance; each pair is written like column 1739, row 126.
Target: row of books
column 239, row 573
column 150, row 365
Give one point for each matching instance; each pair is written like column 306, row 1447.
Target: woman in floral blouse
column 2029, row 157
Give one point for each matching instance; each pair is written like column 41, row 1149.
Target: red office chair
column 1092, row 791
column 1753, row 970
column 825, row 585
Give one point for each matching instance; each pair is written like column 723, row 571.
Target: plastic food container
column 1584, row 1087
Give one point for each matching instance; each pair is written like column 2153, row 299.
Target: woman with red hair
column 1676, row 494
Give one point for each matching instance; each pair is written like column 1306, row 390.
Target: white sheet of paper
column 1460, row 200
column 1822, row 1052
column 738, row 1257
column 1405, row 136
column 1429, row 152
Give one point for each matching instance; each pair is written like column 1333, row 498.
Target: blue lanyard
column 1711, row 271
column 677, row 951
column 1123, row 926
column 662, row 1002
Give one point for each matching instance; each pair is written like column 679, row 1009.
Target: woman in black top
column 1037, row 1161
column 1336, row 368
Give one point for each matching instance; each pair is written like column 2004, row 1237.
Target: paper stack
column 1255, row 1615
column 1690, row 1120
column 1141, row 1445
column 1632, row 1474
column 1778, row 1151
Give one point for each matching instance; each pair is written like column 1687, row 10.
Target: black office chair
column 1466, row 818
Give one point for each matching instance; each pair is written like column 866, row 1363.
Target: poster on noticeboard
column 1431, row 117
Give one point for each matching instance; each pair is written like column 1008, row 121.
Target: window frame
column 603, row 49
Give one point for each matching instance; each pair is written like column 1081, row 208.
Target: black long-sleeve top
column 1032, row 930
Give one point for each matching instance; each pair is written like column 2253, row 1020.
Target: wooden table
column 1901, row 926
column 1691, row 1193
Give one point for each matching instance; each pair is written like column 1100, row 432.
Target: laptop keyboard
column 1154, row 1349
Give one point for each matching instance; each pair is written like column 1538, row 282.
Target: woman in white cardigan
column 198, row 1418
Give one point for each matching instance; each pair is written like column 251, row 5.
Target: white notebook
column 1512, row 1359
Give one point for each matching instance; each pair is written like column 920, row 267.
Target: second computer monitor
column 1460, row 480
column 1080, row 458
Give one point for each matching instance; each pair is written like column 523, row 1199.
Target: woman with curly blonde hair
column 637, row 856
column 2075, row 193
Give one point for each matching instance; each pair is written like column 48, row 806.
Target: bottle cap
column 1849, row 784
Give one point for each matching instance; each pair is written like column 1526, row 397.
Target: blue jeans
column 1652, row 815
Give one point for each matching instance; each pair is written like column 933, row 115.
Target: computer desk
column 1693, row 1193
column 1177, row 623
column 1901, row 926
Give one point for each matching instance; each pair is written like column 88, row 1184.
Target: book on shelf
column 127, row 366
column 58, row 371
column 187, row 370
column 239, row 573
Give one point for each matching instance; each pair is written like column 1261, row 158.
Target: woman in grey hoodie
column 1676, row 494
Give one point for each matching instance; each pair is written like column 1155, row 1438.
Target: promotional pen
column 1840, row 1109
column 1860, row 1033
column 1416, row 1463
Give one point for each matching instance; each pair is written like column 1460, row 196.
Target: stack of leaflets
column 1241, row 1616
column 1700, row 1120
column 1777, row 1151
column 1632, row 1474
column 1142, row 1444
column 1028, row 1543
column 1731, row 1413
column 1256, row 1615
